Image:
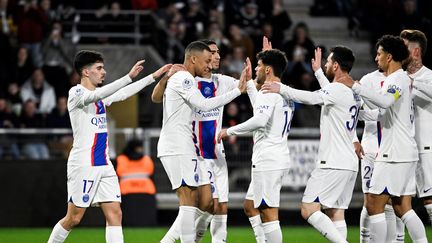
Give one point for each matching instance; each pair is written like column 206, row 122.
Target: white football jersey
column 90, row 129
column 181, row 97
column 270, row 150
column 338, row 123
column 397, row 124
column 207, row 124
column 423, row 112
column 371, row 138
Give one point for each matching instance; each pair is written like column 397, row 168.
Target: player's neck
column 393, row 67
column 86, row 83
column 338, row 76
column 272, row 78
column 190, row 68
column 414, row 66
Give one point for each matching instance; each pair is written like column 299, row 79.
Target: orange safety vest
column 135, row 175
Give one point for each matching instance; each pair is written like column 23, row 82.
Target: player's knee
column 72, row 221
column 304, row 212
column 220, row 208
column 249, row 209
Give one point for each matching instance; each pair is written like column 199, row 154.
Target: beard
column 330, row 75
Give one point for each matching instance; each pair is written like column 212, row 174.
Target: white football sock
column 272, row 232
column 400, row 230
column 415, row 227
column 341, row 226
column 58, row 234
column 257, row 227
column 325, row 226
column 173, row 233
column 364, row 226
column 201, row 224
column 187, row 224
column 391, row 223
column 218, row 228
column 378, row 228
column 114, row 234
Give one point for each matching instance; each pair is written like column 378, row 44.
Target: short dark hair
column 415, row 36
column 274, row 58
column 84, row 58
column 344, row 57
column 208, row 41
column 197, row 46
column 395, row 46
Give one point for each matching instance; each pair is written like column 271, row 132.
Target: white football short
column 367, row 166
column 182, row 170
column 265, row 186
column 423, row 175
column 395, row 179
column 221, row 183
column 206, row 175
column 331, row 188
column 89, row 186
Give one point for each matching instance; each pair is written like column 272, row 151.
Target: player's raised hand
column 222, row 134
column 249, row 71
column 266, row 44
column 358, row 150
column 136, row 69
column 175, row 68
column 243, row 79
column 161, row 71
column 270, row 87
column 316, row 62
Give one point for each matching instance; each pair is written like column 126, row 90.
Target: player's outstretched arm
column 383, row 100
column 254, row 123
column 159, row 89
column 423, row 87
column 300, row 96
column 137, row 86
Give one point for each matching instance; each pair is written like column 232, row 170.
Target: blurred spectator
column 195, row 20
column 239, row 39
column 50, row 14
column 215, row 33
column 144, row 4
column 40, row 91
column 231, row 118
column 250, row 19
column 59, row 116
column 57, row 53
column 409, row 17
column 8, row 146
column 14, row 97
column 24, row 67
column 34, row 148
column 114, row 21
column 134, row 170
column 234, row 63
column 7, row 24
column 279, row 22
column 31, row 24
column 300, row 42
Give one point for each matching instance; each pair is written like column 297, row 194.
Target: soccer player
column 332, row 182
column 92, row 180
column 214, row 180
column 270, row 158
column 416, row 42
column 176, row 147
column 367, row 151
column 398, row 154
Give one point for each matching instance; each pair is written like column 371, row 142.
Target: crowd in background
column 36, row 69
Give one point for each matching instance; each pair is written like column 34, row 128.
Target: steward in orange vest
column 134, row 170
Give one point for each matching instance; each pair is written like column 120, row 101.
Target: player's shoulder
column 76, row 91
column 399, row 75
column 372, row 76
column 183, row 79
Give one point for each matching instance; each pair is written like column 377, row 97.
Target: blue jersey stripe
column 207, row 139
column 99, row 149
column 379, row 133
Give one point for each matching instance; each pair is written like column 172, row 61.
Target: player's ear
column 193, row 59
column 85, row 72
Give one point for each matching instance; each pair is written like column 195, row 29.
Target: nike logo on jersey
column 424, row 191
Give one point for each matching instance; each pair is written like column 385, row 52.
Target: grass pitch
column 153, row 235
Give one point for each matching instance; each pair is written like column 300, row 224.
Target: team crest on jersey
column 196, row 177
column 187, row 83
column 79, row 92
column 85, row 198
column 207, row 91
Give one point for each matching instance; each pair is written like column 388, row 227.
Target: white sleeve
column 129, row 90
column 80, row 97
column 381, row 99
column 301, row 96
column 371, row 115
column 355, row 138
column 322, row 79
column 424, row 88
column 263, row 110
column 195, row 98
